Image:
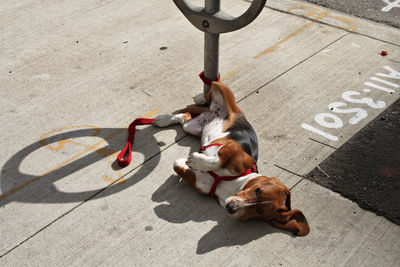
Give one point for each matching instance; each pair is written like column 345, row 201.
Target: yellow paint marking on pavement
column 62, row 143
column 319, row 16
column 230, row 74
column 276, row 45
column 348, row 21
column 312, row 10
column 310, row 13
column 112, row 180
column 151, row 113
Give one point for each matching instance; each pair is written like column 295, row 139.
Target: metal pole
column 211, row 45
column 212, row 24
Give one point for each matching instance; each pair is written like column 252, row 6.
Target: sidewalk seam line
column 322, row 143
column 296, row 184
column 289, row 171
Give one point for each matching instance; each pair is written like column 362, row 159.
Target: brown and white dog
column 225, row 166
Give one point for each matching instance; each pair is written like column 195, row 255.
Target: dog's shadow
column 184, row 204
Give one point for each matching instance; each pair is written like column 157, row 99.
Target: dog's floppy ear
column 226, row 94
column 215, row 86
column 293, row 221
column 290, row 220
column 288, row 196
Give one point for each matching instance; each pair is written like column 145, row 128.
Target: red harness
column 218, row 179
column 144, row 121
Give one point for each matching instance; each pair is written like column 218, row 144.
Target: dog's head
column 267, row 199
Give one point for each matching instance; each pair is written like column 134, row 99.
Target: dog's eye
column 257, row 191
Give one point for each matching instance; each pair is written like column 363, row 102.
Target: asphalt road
column 366, row 169
column 382, row 11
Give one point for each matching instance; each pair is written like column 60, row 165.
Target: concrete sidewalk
column 74, row 74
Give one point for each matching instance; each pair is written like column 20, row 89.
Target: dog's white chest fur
column 213, row 122
column 212, row 129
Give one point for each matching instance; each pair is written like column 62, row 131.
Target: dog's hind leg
column 169, row 119
column 191, row 126
column 184, row 172
column 194, row 126
column 194, row 110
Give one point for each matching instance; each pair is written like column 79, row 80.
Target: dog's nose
column 230, row 208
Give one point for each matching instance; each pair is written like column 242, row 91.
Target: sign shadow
column 22, row 187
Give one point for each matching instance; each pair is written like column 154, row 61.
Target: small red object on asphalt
column 383, row 53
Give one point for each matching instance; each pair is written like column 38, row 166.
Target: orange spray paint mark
column 111, row 180
column 311, row 11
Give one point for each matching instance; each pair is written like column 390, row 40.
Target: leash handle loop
column 127, row 151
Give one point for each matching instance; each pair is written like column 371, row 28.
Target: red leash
column 143, row 121
column 128, row 147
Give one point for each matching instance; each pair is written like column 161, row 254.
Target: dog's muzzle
column 230, row 208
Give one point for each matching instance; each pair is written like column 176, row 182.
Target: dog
column 226, row 167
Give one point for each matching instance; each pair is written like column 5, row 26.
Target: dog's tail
column 220, row 93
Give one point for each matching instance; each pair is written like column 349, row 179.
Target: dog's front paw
column 201, row 162
column 199, row 99
column 169, row 119
column 194, row 161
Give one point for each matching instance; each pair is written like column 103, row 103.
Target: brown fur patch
column 187, row 117
column 233, row 157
